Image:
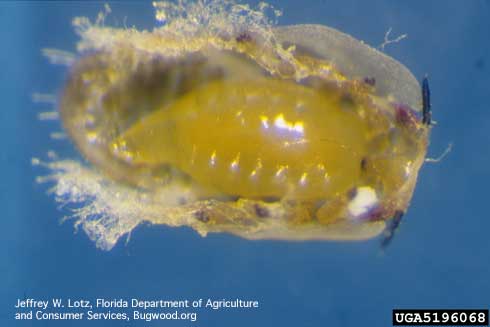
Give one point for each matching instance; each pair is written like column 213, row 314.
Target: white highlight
column 212, row 159
column 408, row 169
column 265, row 122
column 364, row 200
column 258, row 167
column 302, row 180
column 281, row 171
column 282, row 123
column 239, row 115
column 235, row 163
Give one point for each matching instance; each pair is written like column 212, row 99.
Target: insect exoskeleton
column 300, row 132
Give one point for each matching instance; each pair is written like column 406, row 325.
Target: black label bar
column 440, row 317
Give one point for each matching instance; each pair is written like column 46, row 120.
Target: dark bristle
column 391, row 228
column 426, row 106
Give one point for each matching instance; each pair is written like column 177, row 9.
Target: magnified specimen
column 221, row 121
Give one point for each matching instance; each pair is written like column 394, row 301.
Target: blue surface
column 440, row 257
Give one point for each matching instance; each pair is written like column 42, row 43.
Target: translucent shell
column 313, row 135
column 356, row 60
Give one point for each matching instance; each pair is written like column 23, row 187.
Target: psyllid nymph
column 223, row 122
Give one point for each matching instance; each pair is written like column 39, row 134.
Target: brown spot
column 377, row 213
column 261, row 212
column 202, row 215
column 370, row 81
column 243, row 37
column 352, row 193
column 364, row 164
column 405, row 116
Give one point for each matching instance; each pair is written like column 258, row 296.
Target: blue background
column 439, row 259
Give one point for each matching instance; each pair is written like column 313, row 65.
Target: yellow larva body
column 258, row 139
